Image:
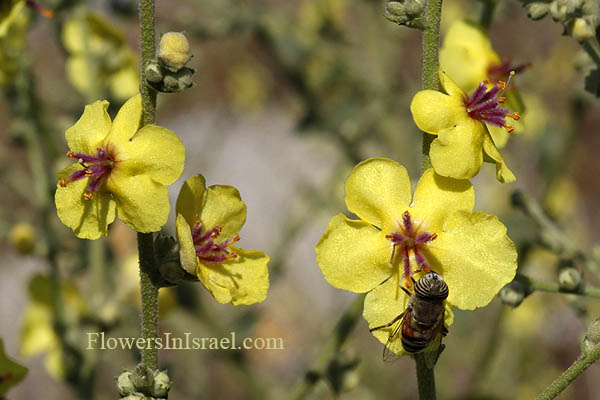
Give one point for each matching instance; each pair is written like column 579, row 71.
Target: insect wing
column 393, row 346
column 433, row 351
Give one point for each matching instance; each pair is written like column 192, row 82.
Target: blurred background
column 288, row 97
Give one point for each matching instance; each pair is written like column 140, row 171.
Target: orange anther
column 219, row 228
column 502, row 85
column 70, row 154
column 508, row 129
column 389, row 236
column 516, row 116
column 63, row 183
column 88, row 173
column 501, row 100
column 46, row 12
column 88, row 195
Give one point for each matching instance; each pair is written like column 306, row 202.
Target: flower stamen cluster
column 483, row 105
column 97, row 168
column 406, row 240
column 206, row 247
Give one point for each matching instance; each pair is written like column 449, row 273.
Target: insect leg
column 399, row 317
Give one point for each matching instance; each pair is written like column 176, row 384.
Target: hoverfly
column 423, row 320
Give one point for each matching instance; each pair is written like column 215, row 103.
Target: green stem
column 593, row 52
column 430, row 63
column 576, row 369
column 542, row 286
column 430, row 66
column 341, row 332
column 487, row 13
column 149, row 290
column 425, row 378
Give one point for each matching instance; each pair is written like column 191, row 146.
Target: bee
column 423, row 320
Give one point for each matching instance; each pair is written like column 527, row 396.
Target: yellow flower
column 208, row 222
column 9, row 12
column 37, row 329
column 12, row 42
column 463, row 141
column 99, row 58
column 468, row 58
column 399, row 237
column 11, row 373
column 120, row 168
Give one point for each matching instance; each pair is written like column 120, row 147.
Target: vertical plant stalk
column 429, row 67
column 576, row 369
column 149, row 290
column 430, row 63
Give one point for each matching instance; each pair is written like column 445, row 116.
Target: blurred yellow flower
column 460, row 122
column 37, row 329
column 22, row 237
column 229, row 273
column 121, row 169
column 9, row 13
column 400, row 236
column 99, row 58
column 12, row 41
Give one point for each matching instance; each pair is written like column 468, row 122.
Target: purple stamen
column 206, row 247
column 483, row 105
column 96, row 167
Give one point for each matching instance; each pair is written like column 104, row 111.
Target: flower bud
column 22, row 238
column 569, row 278
column 174, row 50
column 124, row 384
column 513, row 294
column 581, row 30
column 592, row 337
column 162, row 384
column 558, row 11
column 153, row 72
column 538, row 10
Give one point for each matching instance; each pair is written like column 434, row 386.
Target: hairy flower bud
column 162, row 384
column 22, row 238
column 153, row 72
column 513, row 294
column 569, row 278
column 581, row 30
column 592, row 337
column 125, row 386
column 174, row 50
column 538, row 10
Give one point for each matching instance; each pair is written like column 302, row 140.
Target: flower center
column 408, row 239
column 483, row 105
column 207, row 249
column 97, row 168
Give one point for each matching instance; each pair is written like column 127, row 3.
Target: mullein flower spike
column 400, row 237
column 120, row 169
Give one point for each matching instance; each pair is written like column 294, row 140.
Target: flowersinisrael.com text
column 98, row 340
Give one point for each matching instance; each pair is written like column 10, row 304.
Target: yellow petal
column 503, row 174
column 436, row 197
column 89, row 131
column 191, row 199
column 386, row 302
column 378, row 191
column 154, row 151
column 7, row 20
column 434, row 111
column 126, row 123
column 242, row 280
column 451, row 87
column 223, row 207
column 466, row 55
column 456, row 152
column 475, row 257
column 187, row 252
column 499, row 135
column 89, row 219
column 353, row 255
column 141, row 203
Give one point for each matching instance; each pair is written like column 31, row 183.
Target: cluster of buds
column 405, row 12
column 580, row 18
column 157, row 389
column 168, row 74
